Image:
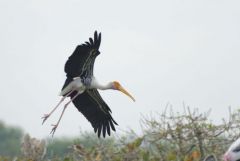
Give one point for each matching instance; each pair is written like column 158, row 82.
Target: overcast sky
column 170, row 51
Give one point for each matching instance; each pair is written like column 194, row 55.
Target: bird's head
column 117, row 86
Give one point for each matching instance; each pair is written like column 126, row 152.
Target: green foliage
column 58, row 147
column 10, row 140
column 62, row 146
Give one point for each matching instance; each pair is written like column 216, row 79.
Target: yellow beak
column 120, row 88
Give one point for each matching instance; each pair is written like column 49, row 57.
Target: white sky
column 163, row 52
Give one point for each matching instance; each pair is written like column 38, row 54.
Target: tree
column 10, row 140
column 189, row 136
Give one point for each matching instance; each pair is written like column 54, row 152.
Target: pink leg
column 65, row 106
column 45, row 117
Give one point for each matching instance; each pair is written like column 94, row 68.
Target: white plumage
column 76, row 84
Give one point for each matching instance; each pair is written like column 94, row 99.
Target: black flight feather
column 101, row 121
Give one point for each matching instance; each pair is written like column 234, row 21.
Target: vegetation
column 168, row 136
column 10, row 140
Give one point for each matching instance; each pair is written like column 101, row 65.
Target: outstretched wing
column 81, row 62
column 97, row 112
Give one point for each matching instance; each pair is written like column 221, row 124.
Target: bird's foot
column 45, row 117
column 54, row 129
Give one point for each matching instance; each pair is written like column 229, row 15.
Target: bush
column 167, row 136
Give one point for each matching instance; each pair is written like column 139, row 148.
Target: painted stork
column 81, row 86
column 233, row 152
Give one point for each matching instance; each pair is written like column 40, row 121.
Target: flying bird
column 82, row 88
column 233, row 152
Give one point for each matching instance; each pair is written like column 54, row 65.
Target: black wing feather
column 99, row 117
column 95, row 37
column 87, row 43
column 104, row 129
column 98, row 42
column 81, row 61
column 108, row 129
column 99, row 131
column 91, row 41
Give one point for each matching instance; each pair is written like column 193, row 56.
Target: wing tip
column 105, row 128
column 97, row 39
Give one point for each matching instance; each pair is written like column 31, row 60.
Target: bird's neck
column 97, row 85
column 105, row 86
